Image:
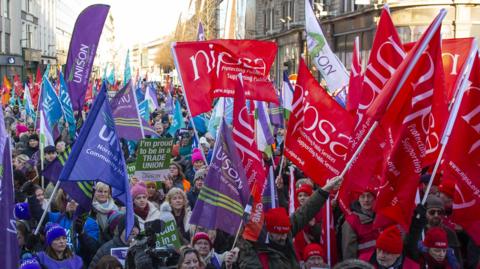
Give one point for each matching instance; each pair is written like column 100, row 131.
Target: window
column 265, row 21
column 7, row 43
column 29, row 36
column 287, row 13
column 7, row 9
column 269, row 15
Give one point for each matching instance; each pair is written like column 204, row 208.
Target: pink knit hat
column 196, row 155
column 138, row 189
column 21, row 129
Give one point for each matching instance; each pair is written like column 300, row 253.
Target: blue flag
column 144, row 110
column 8, row 235
column 67, row 106
column 51, row 105
column 139, row 93
column 177, row 122
column 98, row 147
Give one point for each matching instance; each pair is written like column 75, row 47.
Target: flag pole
column 185, row 96
column 57, row 185
column 459, row 82
column 464, row 83
column 136, row 106
column 291, row 204
column 329, row 256
column 359, row 149
column 237, row 235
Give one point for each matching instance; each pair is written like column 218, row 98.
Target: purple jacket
column 74, row 262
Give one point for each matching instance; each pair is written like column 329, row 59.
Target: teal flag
column 67, row 106
column 127, row 75
column 177, row 122
column 50, row 102
column 111, row 77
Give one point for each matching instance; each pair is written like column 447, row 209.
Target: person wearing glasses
column 428, row 217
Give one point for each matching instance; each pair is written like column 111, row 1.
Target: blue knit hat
column 22, row 211
column 30, row 264
column 54, row 231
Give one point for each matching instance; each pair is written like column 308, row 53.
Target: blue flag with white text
column 51, row 105
column 143, row 109
column 98, row 147
column 67, row 106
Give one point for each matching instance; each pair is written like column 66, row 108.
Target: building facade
column 38, row 34
column 67, row 11
column 11, row 60
column 283, row 21
column 144, row 59
column 107, row 51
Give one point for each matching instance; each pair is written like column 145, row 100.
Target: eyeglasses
column 432, row 212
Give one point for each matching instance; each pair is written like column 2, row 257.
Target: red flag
column 17, row 85
column 409, row 116
column 244, row 138
column 36, row 87
column 209, row 69
column 462, row 158
column 318, row 130
column 386, row 55
column 356, row 79
column 455, row 52
column 89, row 93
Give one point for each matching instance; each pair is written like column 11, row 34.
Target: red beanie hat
column 390, row 240
column 277, row 220
column 201, row 235
column 312, row 249
column 306, row 188
column 447, row 187
column 436, row 237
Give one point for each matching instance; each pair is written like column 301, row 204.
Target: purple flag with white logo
column 81, row 53
column 225, row 194
column 97, row 154
column 125, row 114
column 8, row 235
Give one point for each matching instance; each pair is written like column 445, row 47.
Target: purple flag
column 98, row 147
column 200, row 32
column 80, row 191
column 8, row 235
column 224, row 195
column 270, row 197
column 125, row 114
column 276, row 115
column 81, row 53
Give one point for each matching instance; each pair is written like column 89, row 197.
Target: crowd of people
column 69, row 239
